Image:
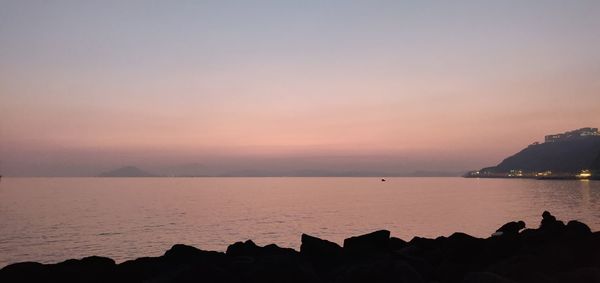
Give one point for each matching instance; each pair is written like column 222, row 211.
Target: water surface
column 53, row 219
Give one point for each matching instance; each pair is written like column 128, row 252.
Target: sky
column 388, row 86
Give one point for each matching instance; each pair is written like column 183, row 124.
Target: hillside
column 565, row 156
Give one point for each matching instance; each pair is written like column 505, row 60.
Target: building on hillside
column 575, row 134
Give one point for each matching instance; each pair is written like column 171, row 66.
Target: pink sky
column 392, row 88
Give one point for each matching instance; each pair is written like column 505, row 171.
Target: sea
column 53, row 219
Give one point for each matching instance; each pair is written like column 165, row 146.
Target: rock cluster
column 554, row 252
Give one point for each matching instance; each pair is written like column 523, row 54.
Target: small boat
column 382, row 179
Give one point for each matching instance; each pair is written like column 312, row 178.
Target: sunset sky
column 390, row 86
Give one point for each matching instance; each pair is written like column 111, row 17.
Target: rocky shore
column 553, row 252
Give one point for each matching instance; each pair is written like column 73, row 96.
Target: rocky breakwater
column 554, row 252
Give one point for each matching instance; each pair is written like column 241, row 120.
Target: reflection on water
column 52, row 219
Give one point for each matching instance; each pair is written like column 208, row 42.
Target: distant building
column 583, row 132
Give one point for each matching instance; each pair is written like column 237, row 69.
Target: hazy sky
column 343, row 85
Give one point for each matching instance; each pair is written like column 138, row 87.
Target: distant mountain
column 566, row 156
column 127, row 171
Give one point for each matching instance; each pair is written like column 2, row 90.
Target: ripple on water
column 50, row 220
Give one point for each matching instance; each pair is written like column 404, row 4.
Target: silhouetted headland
column 554, row 252
column 570, row 155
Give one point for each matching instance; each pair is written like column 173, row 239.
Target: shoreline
column 553, row 252
column 548, row 178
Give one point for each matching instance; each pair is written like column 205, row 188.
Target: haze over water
column 54, row 219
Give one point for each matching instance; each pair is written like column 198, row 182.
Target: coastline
column 553, row 252
column 535, row 178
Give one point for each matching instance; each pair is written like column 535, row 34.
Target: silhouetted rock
column 575, row 227
column 24, row 272
column 581, row 275
column 485, row 277
column 511, row 228
column 396, row 244
column 315, row 247
column 89, row 269
column 552, row 253
column 374, row 242
column 250, row 249
column 247, row 248
column 378, row 271
column 183, row 253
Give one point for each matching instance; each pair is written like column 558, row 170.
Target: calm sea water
column 53, row 219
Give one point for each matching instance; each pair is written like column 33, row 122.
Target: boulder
column 275, row 250
column 180, row 253
column 511, row 228
column 315, row 247
column 462, row 247
column 324, row 255
column 576, row 228
column 140, row 269
column 396, row 244
column 581, row 275
column 485, row 277
column 89, row 269
column 375, row 242
column 378, row 271
column 247, row 248
column 24, row 272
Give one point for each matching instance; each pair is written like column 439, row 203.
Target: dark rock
column 374, row 242
column 24, row 272
column 430, row 250
column 499, row 248
column 379, row 271
column 528, row 268
column 463, row 247
column 396, row 244
column 581, row 275
column 250, row 249
column 247, row 248
column 512, row 228
column 422, row 266
column 184, row 253
column 199, row 273
column 140, row 269
column 461, row 253
column 485, row 277
column 577, row 228
column 315, row 247
column 89, row 269
column 323, row 254
column 274, row 250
